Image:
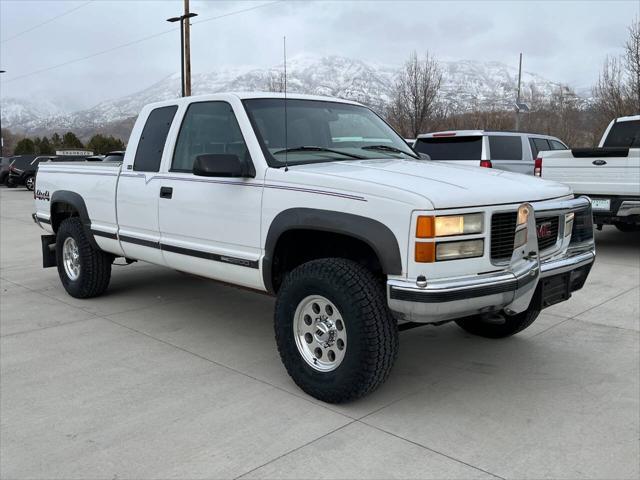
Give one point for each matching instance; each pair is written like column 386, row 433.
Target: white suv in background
column 511, row 151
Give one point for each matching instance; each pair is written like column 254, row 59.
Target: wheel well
column 61, row 211
column 295, row 247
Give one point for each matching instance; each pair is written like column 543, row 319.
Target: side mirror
column 220, row 165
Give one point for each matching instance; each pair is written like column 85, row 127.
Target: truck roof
column 247, row 95
column 630, row 118
column 469, row 133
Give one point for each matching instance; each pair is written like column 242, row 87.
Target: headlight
column 464, row 249
column 449, row 225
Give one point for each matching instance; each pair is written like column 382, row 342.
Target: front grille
column 503, row 231
column 550, row 239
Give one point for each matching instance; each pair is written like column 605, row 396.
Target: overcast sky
column 562, row 41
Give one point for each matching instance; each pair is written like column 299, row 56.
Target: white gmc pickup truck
column 609, row 174
column 332, row 212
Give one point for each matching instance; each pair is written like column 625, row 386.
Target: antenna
column 286, row 139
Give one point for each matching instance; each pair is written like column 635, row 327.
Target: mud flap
column 48, row 251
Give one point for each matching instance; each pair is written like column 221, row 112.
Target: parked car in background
column 23, row 172
column 339, row 218
column 114, row 156
column 608, row 174
column 511, row 151
column 19, row 165
column 4, row 168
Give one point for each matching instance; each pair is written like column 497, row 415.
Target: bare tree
column 611, row 91
column 414, row 102
column 632, row 63
column 275, row 82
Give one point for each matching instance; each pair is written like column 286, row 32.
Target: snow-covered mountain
column 466, row 84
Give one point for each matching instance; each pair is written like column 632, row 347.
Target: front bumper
column 511, row 289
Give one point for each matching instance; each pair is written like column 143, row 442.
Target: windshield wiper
column 310, row 148
column 386, row 148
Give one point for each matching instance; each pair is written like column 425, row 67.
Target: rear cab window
column 505, row 147
column 624, row 134
column 467, row 147
column 153, row 138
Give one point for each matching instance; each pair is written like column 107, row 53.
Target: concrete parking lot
column 169, row 375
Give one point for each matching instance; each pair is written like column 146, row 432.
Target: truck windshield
column 624, row 134
column 320, row 131
column 451, row 148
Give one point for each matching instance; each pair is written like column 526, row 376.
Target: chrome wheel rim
column 71, row 258
column 30, row 183
column 320, row 333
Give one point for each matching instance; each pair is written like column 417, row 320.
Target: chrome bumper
column 511, row 289
column 629, row 207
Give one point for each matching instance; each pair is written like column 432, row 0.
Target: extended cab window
column 208, row 128
column 451, row 148
column 624, row 134
column 153, row 138
column 505, row 147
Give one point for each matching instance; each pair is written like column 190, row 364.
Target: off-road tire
column 33, row 183
column 95, row 265
column 627, row 227
column 479, row 325
column 372, row 332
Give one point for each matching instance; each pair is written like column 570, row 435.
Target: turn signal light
column 426, row 227
column 486, row 164
column 425, row 252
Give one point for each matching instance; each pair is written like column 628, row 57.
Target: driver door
column 210, row 226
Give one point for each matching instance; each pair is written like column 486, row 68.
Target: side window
column 208, row 127
column 542, row 145
column 556, row 145
column 505, row 147
column 153, row 138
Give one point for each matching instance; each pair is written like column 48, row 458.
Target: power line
column 133, row 42
column 63, row 14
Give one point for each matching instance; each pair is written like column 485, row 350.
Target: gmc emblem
column 544, row 230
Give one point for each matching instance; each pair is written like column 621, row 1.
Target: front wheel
column 498, row 326
column 335, row 334
column 84, row 270
column 30, row 182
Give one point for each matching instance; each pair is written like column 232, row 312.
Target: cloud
column 563, row 41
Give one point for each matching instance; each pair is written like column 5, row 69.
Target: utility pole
column 185, row 48
column 1, row 137
column 518, row 97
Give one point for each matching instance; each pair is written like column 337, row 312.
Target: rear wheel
column 30, row 182
column 84, row 270
column 498, row 326
column 335, row 334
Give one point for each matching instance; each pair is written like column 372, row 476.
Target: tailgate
column 593, row 174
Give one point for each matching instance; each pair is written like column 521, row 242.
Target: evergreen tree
column 56, row 141
column 25, row 147
column 45, row 147
column 69, row 140
column 101, row 144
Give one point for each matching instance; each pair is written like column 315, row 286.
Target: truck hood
column 443, row 184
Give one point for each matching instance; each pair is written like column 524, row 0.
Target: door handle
column 166, row 192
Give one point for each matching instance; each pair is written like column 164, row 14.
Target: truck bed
column 599, row 171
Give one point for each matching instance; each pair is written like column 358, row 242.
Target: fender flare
column 372, row 232
column 77, row 202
